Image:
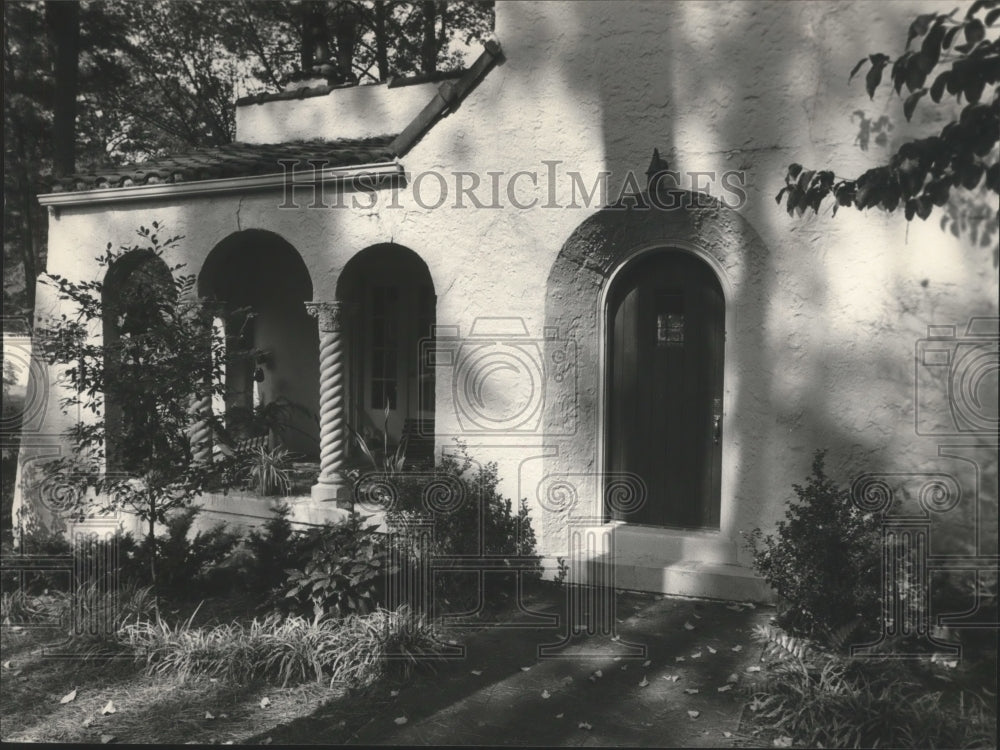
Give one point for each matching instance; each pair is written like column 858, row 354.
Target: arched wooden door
column 666, row 338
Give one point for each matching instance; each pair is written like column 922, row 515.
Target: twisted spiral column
column 332, row 421
column 200, row 430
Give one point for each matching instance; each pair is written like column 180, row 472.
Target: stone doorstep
column 668, row 561
column 650, row 543
column 703, row 580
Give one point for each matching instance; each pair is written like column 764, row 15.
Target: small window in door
column 670, row 320
column 385, row 343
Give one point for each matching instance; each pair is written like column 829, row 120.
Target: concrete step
column 667, row 561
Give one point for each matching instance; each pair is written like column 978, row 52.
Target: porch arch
column 259, row 284
column 390, row 293
column 127, row 289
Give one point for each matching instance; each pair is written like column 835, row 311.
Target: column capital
column 331, row 315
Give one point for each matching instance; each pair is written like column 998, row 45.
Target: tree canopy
column 118, row 81
column 953, row 62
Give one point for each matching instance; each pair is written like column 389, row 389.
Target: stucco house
column 569, row 257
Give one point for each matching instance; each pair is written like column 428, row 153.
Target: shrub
column 183, row 563
column 345, row 566
column 825, row 560
column 268, row 552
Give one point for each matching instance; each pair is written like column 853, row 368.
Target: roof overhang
column 367, row 176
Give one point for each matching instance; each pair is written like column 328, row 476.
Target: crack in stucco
column 239, row 207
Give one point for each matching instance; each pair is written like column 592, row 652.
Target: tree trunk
column 345, row 31
column 428, row 48
column 151, row 543
column 63, row 21
column 315, row 48
column 381, row 43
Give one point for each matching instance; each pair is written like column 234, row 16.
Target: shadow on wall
column 818, row 368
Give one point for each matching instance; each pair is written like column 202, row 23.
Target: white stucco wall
column 824, row 312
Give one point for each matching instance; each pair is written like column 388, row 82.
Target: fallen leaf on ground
column 782, row 742
column 559, row 716
column 671, row 677
column 88, row 721
column 208, row 715
column 584, row 725
column 546, row 694
column 452, row 642
column 70, row 696
column 756, row 704
column 724, row 688
column 598, row 673
column 400, row 720
column 678, row 658
column 615, row 638
column 644, row 682
column 617, row 658
column 647, row 662
column 108, row 709
column 6, row 664
column 223, row 716
column 753, row 669
column 727, row 735
column 733, row 678
column 734, row 607
column 566, row 680
column 476, row 672
column 106, row 738
column 688, row 626
column 696, row 615
column 690, row 691
column 737, row 648
column 266, row 741
column 393, row 693
column 694, row 714
column 265, row 702
column 712, row 650
column 749, row 605
column 696, row 655
column 525, row 669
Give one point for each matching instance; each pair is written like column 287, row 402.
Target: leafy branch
column 922, row 172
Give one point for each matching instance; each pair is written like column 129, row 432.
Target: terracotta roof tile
column 231, row 160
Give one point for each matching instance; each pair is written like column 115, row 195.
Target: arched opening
column 391, row 297
column 259, row 284
column 135, row 288
column 665, row 341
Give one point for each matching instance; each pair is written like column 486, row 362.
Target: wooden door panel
column 666, row 328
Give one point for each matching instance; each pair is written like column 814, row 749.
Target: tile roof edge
column 307, row 92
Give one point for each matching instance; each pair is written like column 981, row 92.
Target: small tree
column 958, row 57
column 159, row 357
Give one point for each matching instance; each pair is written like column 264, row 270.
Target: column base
column 333, row 492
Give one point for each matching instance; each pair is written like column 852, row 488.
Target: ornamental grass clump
column 823, row 699
column 354, row 650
